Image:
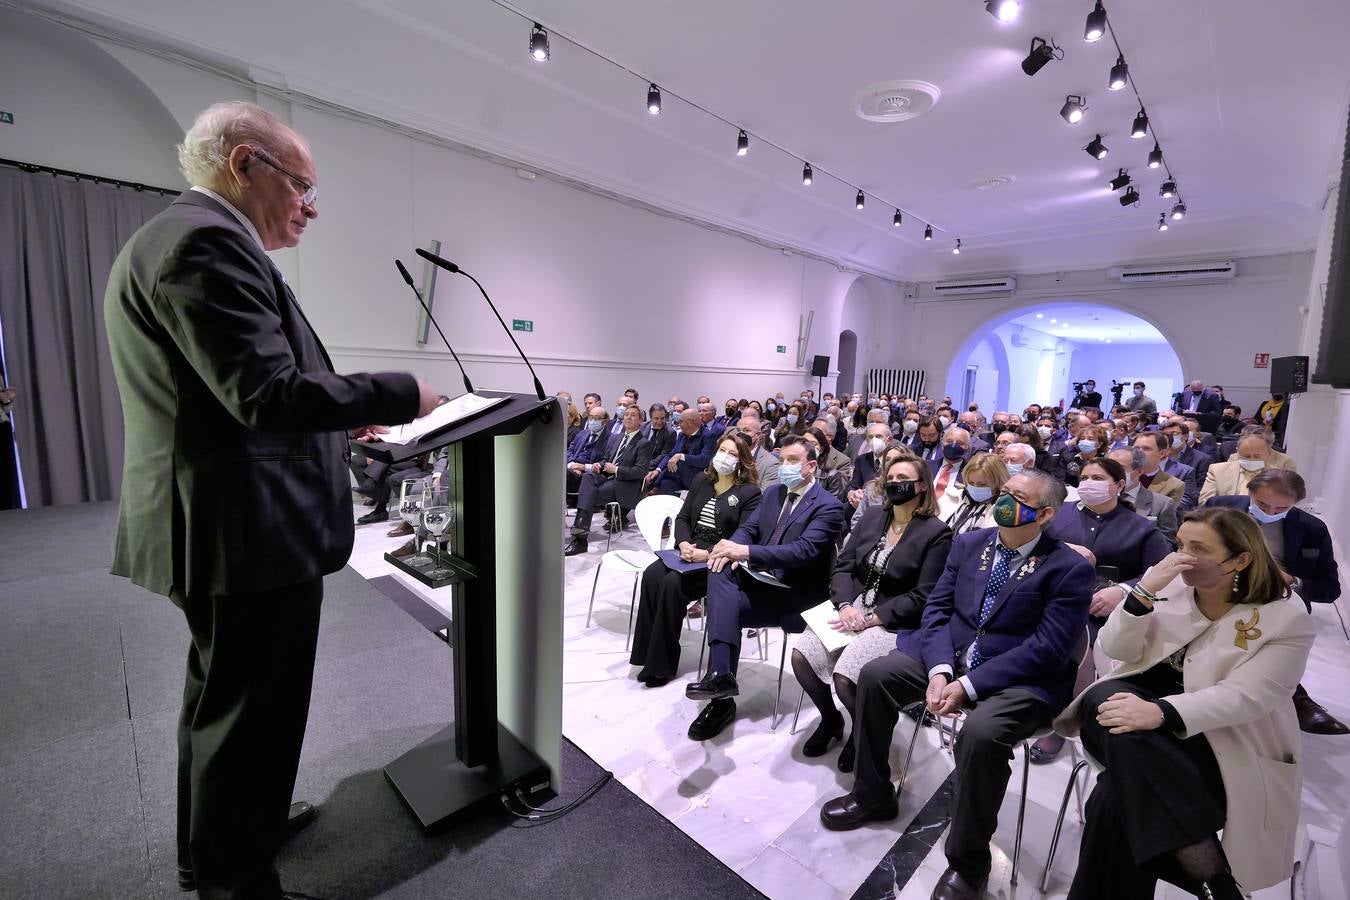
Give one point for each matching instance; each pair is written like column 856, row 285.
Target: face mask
column 1264, row 517
column 953, row 452
column 1094, row 493
column 1206, row 573
column 791, row 419
column 724, row 463
column 1252, row 465
column 790, row 474
column 1139, row 392
column 877, row 444
column 944, row 421
column 901, row 492
column 1177, row 442
column 772, row 407
column 979, row 494
column 1045, row 431
column 618, row 411
column 910, row 426
column 1086, row 446
column 1010, row 512
column 594, row 425
column 731, row 412
column 998, row 427
column 1014, row 469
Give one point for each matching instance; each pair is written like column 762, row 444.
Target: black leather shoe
column 656, row 681
column 826, row 733
column 186, row 880
column 846, row 754
column 951, row 886
column 301, row 814
column 846, row 813
column 713, row 720
column 1313, row 717
column 712, row 687
column 375, row 515
column 576, row 546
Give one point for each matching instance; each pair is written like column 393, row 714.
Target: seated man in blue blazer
column 693, row 450
column 1301, row 544
column 791, row 536
column 587, row 447
column 999, row 637
column 617, row 476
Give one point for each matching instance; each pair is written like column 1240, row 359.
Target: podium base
column 436, row 785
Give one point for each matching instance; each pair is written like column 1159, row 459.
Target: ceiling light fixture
column 957, row 249
column 1179, row 211
column 539, row 43
column 1053, row 321
column 742, row 143
column 806, row 173
column 860, row 200
column 1003, row 10
column 1140, row 127
column 1120, row 75
column 654, row 100
column 928, row 232
column 897, row 219
column 1042, row 51
column 1096, row 24
column 1129, row 198
column 1168, row 189
column 1162, row 222
column 1073, row 109
column 1040, row 315
column 1155, row 157
column 1096, row 149
column 1120, row 181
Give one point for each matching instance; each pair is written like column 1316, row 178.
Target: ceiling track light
column 1096, row 149
column 1003, row 10
column 1095, row 28
column 1073, row 109
column 1140, row 127
column 1168, row 189
column 928, row 232
column 861, row 200
column 897, row 219
column 1120, row 75
column 1042, row 51
column 1162, row 222
column 742, row 143
column 1155, row 157
column 1179, row 211
column 957, row 249
column 1129, row 198
column 1120, row 181
column 654, row 99
column 807, row 174
column 539, row 43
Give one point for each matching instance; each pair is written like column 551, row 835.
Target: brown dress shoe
column 1313, row 717
column 407, row 549
column 402, row 529
column 951, row 886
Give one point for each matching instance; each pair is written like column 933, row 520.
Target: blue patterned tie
column 997, row 580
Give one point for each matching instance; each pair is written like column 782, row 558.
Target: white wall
column 1036, row 373
column 1154, row 364
column 988, row 378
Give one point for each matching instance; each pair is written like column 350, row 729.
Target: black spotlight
column 1042, row 51
column 1140, row 127
column 928, row 232
column 1096, row 24
column 539, row 43
column 957, row 249
column 1096, row 149
column 654, row 100
column 1168, row 189
column 807, row 174
column 1073, row 109
column 860, row 201
column 897, row 219
column 1120, row 75
column 1129, row 198
column 1155, row 157
column 1162, row 221
column 1120, row 180
column 742, row 143
column 1179, row 211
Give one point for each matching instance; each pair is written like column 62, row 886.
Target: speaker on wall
column 1333, row 363
column 820, row 366
column 1289, row 375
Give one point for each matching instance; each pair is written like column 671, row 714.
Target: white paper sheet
column 818, row 620
column 443, row 416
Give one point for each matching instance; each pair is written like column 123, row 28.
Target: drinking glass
column 410, row 510
column 438, row 517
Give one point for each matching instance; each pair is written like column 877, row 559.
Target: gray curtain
column 58, row 240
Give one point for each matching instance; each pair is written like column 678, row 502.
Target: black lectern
column 506, row 610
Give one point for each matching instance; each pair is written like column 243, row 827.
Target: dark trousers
column 595, row 491
column 665, row 597
column 249, row 671
column 9, row 470
column 993, row 726
column 1158, row 793
column 737, row 601
column 673, row 482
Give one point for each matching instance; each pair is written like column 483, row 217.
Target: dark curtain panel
column 58, row 240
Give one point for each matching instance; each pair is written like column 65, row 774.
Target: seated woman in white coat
column 969, row 505
column 1194, row 724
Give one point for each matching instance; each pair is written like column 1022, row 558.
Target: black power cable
column 537, row 815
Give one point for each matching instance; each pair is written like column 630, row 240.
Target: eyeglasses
column 308, row 192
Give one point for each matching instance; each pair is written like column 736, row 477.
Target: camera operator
column 1085, row 395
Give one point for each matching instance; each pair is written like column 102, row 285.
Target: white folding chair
column 655, row 514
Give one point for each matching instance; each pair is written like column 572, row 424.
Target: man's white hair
column 1023, row 453
column 205, row 151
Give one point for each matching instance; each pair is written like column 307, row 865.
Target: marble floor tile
column 776, row 874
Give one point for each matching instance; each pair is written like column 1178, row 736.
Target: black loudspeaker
column 1289, row 375
column 820, row 366
column 1333, row 362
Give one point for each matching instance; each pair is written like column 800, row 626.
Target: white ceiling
column 1089, row 324
column 1248, row 99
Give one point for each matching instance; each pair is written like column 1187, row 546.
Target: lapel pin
column 1247, row 631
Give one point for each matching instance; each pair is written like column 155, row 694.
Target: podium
column 507, row 599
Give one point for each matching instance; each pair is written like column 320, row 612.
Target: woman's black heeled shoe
column 825, row 734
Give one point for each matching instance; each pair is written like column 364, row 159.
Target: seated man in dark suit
column 999, row 635
column 1230, row 425
column 588, row 447
column 617, row 476
column 866, row 464
column 1184, row 452
column 707, row 414
column 1301, row 544
column 1190, row 495
column 792, row 537
column 693, row 450
column 660, row 434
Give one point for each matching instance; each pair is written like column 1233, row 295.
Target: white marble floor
column 752, row 799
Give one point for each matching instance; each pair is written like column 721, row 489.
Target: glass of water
column 410, row 510
column 438, row 516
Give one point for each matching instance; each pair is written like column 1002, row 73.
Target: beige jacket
column 1170, row 486
column 1239, row 698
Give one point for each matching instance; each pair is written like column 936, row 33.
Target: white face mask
column 877, row 444
column 1252, row 465
column 724, row 463
column 944, row 421
column 910, row 426
column 1044, row 431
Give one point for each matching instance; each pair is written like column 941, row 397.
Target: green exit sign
column 522, row 324
column 6, row 118
column 782, row 348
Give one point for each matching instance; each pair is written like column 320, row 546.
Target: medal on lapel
column 1247, row 631
column 984, row 558
column 732, row 501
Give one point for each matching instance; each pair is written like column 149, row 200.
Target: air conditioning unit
column 1205, row 271
column 975, row 286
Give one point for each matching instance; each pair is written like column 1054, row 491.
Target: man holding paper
column 777, row 564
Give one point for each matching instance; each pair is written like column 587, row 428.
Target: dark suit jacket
column 1190, row 497
column 912, row 569
column 1308, row 553
column 587, row 448
column 927, row 454
column 1208, row 403
column 631, row 467
column 1198, row 460
column 661, row 442
column 804, row 556
column 698, row 450
column 236, row 446
column 734, row 506
column 1037, row 623
column 864, row 470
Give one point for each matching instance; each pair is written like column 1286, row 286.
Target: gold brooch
column 1247, row 631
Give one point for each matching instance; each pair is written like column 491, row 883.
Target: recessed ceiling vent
column 895, row 101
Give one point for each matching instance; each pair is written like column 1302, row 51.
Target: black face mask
column 998, row 427
column 901, row 492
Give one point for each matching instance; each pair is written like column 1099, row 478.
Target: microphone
column 448, row 266
column 468, row 385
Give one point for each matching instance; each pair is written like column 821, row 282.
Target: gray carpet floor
column 91, row 669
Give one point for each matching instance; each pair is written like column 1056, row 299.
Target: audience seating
column 655, row 516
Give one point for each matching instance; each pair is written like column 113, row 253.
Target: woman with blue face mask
column 793, row 422
column 1092, row 442
column 970, row 506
